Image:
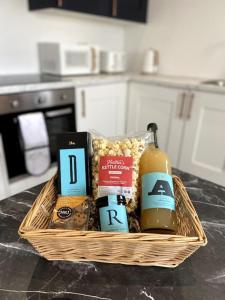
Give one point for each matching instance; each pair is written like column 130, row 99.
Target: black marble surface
column 25, row 275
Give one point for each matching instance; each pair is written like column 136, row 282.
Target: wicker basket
column 144, row 249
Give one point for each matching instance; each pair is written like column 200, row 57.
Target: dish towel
column 35, row 142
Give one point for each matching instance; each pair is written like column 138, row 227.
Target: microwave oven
column 113, row 61
column 65, row 59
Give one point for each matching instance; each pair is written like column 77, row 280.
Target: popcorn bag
column 115, row 167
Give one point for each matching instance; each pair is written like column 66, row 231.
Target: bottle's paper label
column 157, row 191
column 113, row 217
column 115, row 176
column 72, row 172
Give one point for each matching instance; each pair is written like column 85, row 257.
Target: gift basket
column 109, row 223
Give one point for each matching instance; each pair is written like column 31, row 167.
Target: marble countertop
column 64, row 82
column 180, row 82
column 25, row 275
column 98, row 79
column 78, row 81
column 166, row 80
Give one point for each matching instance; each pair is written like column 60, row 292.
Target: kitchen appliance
column 113, row 61
column 151, row 62
column 59, row 113
column 66, row 59
column 24, row 79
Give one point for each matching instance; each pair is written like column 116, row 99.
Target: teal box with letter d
column 74, row 154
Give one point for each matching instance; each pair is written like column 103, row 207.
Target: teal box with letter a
column 74, row 154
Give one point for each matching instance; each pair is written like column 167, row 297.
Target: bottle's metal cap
column 152, row 127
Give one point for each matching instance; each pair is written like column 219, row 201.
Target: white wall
column 189, row 34
column 20, row 30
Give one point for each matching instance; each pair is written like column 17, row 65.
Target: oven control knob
column 41, row 100
column 63, row 97
column 14, row 103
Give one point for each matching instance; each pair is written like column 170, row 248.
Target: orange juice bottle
column 157, row 194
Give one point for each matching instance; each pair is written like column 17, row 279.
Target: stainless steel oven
column 58, row 107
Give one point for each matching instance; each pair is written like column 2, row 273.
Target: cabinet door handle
column 83, row 104
column 114, row 8
column 93, row 56
column 182, row 97
column 60, row 3
column 191, row 100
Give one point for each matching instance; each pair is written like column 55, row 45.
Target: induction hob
column 9, row 80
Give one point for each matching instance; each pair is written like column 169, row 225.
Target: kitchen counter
column 56, row 82
column 181, row 82
column 98, row 79
column 166, row 80
column 88, row 80
column 25, row 275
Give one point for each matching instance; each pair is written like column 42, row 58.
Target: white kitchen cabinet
column 102, row 108
column 149, row 103
column 203, row 145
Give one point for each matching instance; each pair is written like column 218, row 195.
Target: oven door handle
column 59, row 112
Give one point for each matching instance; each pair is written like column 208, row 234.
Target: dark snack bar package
column 74, row 158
